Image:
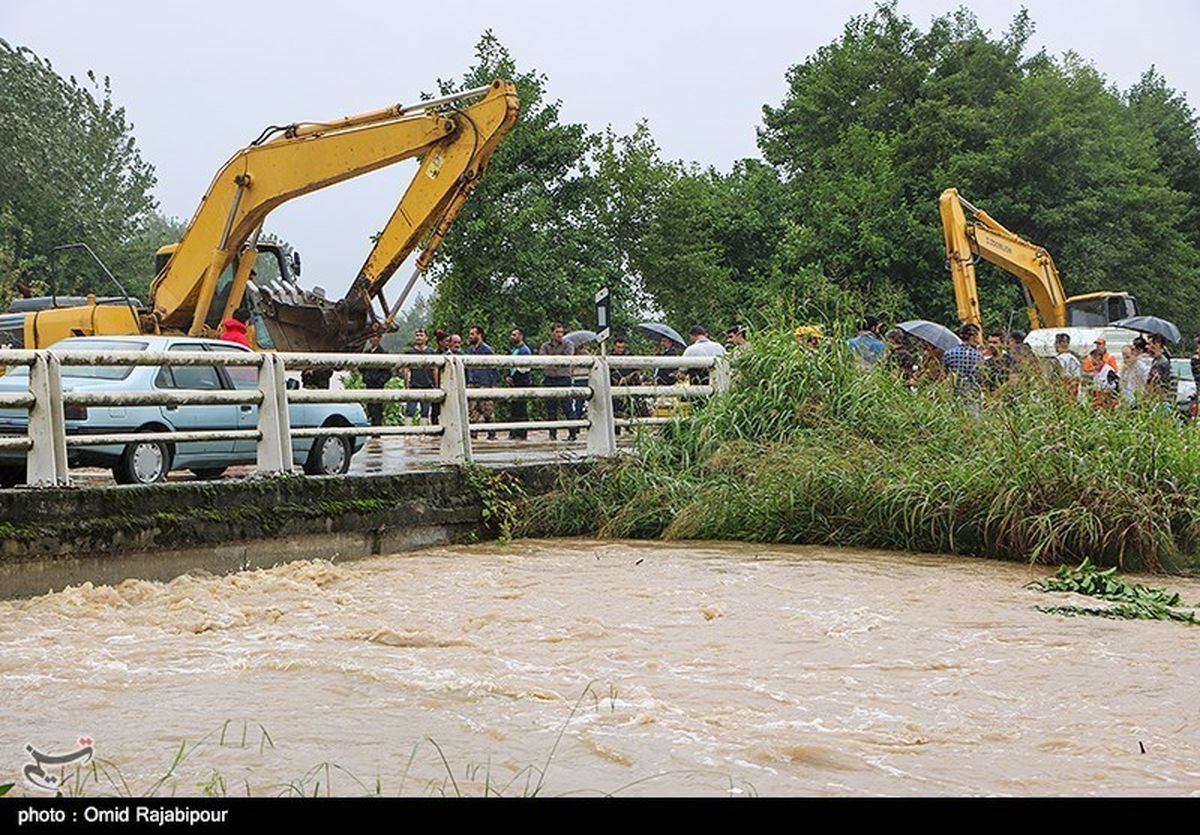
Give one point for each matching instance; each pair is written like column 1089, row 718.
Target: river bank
column 809, row 449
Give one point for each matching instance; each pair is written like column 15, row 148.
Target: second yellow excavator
column 981, row 236
column 207, row 275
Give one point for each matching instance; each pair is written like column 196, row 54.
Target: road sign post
column 602, row 319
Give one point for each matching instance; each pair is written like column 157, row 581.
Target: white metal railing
column 47, row 441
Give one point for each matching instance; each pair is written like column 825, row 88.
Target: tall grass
column 808, row 448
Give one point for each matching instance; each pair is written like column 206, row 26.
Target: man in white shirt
column 1070, row 369
column 702, row 346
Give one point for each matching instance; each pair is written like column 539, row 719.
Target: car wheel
column 208, row 473
column 330, row 455
column 12, row 476
column 144, row 462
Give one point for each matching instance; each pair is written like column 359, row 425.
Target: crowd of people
column 521, row 375
column 978, row 366
column 975, row 366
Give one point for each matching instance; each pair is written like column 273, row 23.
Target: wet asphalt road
column 403, row 454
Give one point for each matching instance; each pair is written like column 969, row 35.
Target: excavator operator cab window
column 1121, row 307
column 268, row 266
column 1100, row 311
column 1088, row 313
column 220, row 296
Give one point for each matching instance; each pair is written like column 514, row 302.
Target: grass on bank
column 808, row 448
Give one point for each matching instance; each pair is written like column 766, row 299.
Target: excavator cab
column 1097, row 310
column 273, row 275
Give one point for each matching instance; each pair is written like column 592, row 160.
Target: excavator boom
column 455, row 146
column 982, row 236
column 206, row 276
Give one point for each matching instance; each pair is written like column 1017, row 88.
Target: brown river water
column 691, row 668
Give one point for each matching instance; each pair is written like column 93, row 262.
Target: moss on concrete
column 105, row 520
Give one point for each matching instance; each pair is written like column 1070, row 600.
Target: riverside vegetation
column 808, row 448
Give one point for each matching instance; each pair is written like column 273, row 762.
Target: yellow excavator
column 212, row 271
column 981, row 236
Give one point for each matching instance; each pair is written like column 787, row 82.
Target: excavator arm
column 454, row 145
column 982, row 236
column 426, row 212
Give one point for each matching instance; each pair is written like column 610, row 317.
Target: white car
column 150, row 461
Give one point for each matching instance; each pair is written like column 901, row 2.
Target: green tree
column 530, row 246
column 70, row 172
column 703, row 255
column 1171, row 121
column 875, row 125
column 416, row 315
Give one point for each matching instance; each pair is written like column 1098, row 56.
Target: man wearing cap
column 1102, row 366
column 1099, row 356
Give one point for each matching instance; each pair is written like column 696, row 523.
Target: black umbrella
column 939, row 336
column 1151, row 324
column 658, row 329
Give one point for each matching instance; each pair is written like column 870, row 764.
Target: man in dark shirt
column 996, row 367
column 558, row 376
column 422, row 377
column 667, row 376
column 375, row 378
column 1160, row 382
column 519, row 376
column 481, row 411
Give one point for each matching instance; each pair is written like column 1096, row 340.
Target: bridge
column 47, row 440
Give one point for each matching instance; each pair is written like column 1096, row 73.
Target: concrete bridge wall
column 50, row 539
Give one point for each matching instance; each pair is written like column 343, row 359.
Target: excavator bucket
column 311, row 324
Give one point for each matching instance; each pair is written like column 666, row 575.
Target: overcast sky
column 200, row 80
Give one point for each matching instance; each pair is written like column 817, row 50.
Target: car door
column 241, row 378
column 197, row 378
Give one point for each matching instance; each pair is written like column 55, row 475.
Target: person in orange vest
column 1102, row 367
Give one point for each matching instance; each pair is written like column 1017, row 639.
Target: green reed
column 808, row 448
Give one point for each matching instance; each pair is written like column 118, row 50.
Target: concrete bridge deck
column 400, row 454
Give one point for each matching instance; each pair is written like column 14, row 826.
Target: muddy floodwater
column 576, row 666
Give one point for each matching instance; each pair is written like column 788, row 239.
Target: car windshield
column 1183, row 369
column 92, row 372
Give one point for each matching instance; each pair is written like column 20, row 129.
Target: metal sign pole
column 602, row 320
